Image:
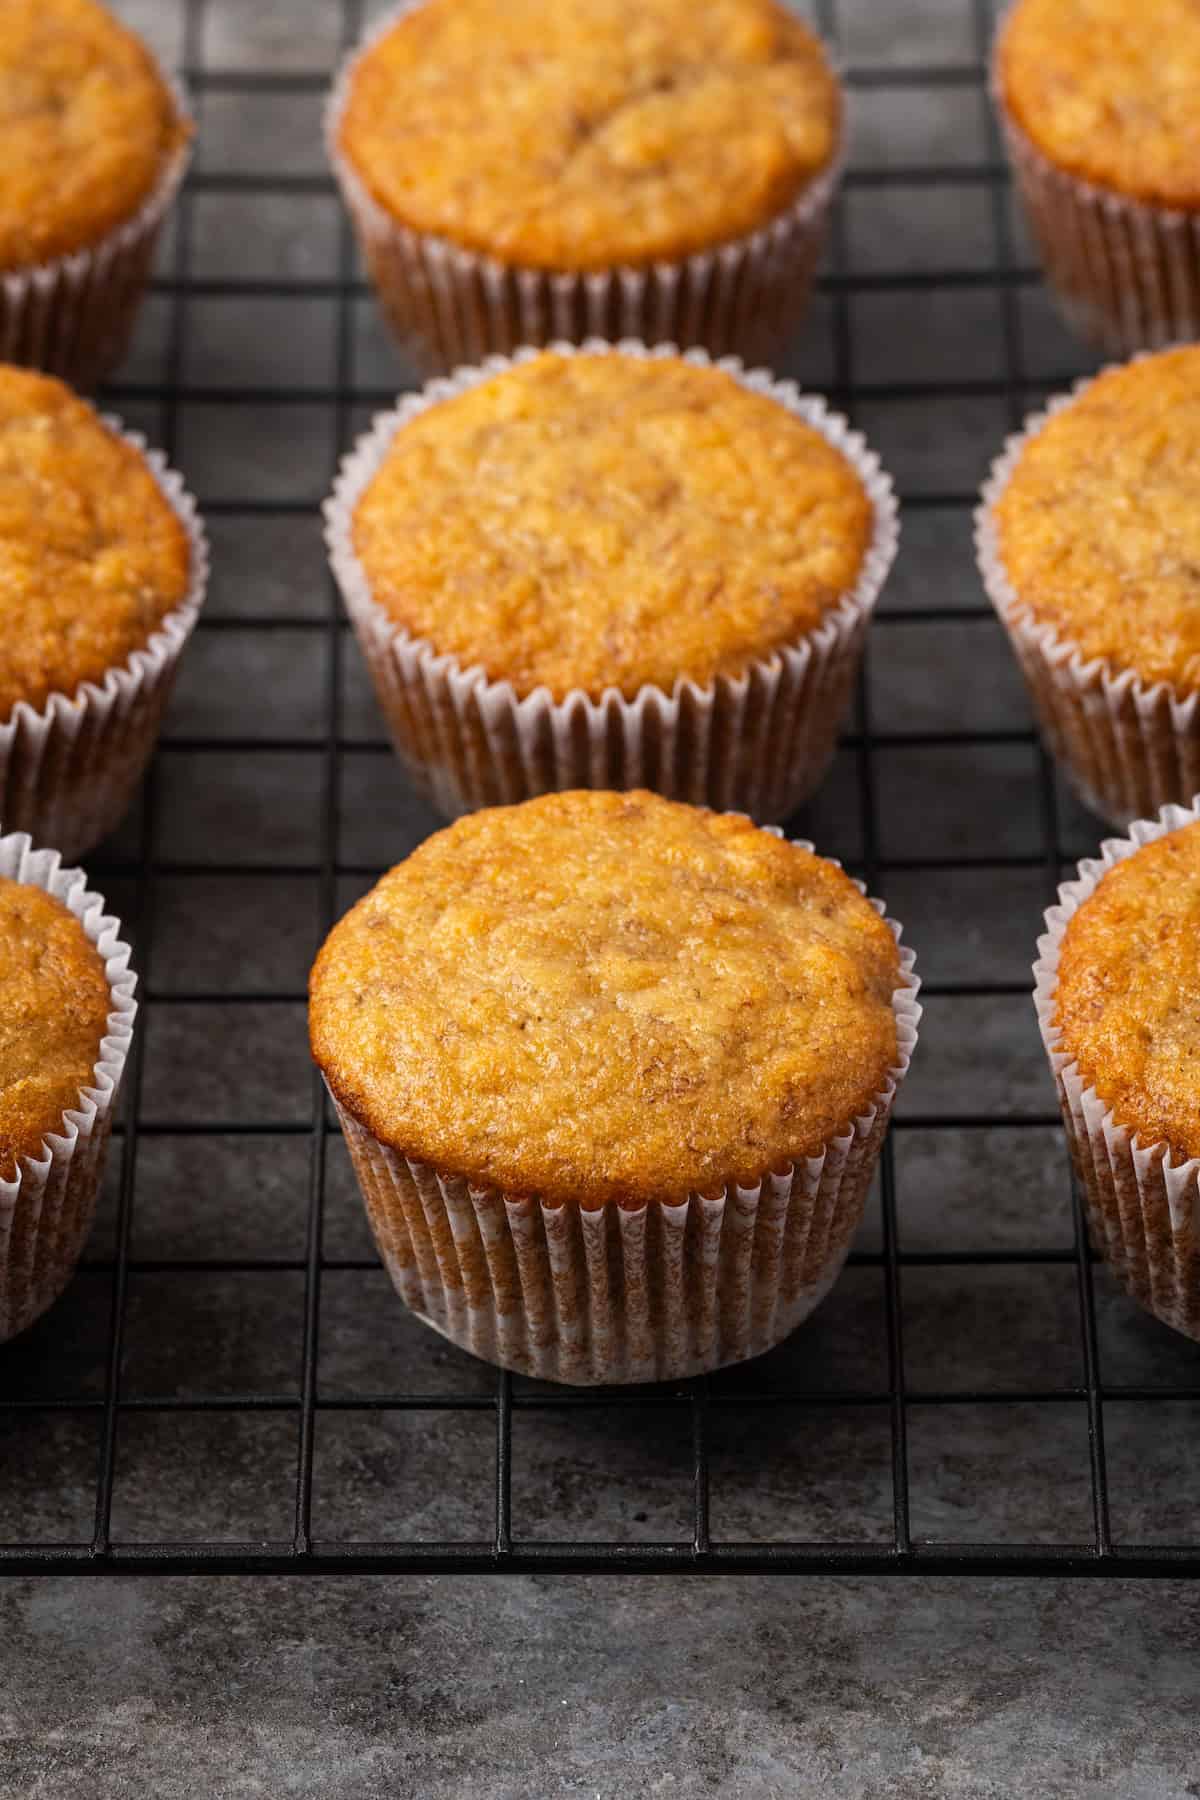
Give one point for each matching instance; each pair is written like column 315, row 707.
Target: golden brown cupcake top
column 54, row 1007
column 1128, row 1001
column 589, row 133
column 87, row 125
column 605, row 521
column 598, row 996
column 1107, row 90
column 1098, row 526
column 92, row 557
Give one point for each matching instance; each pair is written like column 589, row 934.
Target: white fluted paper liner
column 73, row 317
column 1143, row 1206
column 46, row 1207
column 1129, row 747
column 757, row 743
column 614, row 1294
column 1126, row 273
column 450, row 305
column 68, row 771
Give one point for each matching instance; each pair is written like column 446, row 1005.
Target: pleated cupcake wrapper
column 1129, row 748
column 651, row 1292
column 46, row 1207
column 74, row 316
column 1126, row 273
column 1143, row 1206
column 757, row 743
column 69, row 770
column 450, row 305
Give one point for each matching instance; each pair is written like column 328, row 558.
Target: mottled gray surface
column 495, row 1688
column 509, row 1690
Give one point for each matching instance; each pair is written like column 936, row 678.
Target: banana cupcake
column 598, row 167
column 614, row 1073
column 1089, row 546
column 66, row 1021
column 95, row 146
column 612, row 568
column 102, row 571
column 1098, row 103
column 1118, row 1001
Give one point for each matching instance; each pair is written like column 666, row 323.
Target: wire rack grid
column 74, row 1417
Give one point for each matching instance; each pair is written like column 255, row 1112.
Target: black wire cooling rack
column 497, row 1402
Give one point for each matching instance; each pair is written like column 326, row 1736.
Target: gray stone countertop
column 521, row 1687
column 515, row 1688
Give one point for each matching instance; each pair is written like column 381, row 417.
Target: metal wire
column 507, row 1547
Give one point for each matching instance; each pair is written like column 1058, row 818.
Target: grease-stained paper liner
column 1126, row 273
column 1143, row 1207
column 619, row 1293
column 757, row 743
column 74, row 316
column 1129, row 748
column 69, row 770
column 46, row 1207
column 450, row 305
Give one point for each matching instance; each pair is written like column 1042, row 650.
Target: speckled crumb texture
column 630, row 215
column 105, row 565
column 1129, row 991
column 607, row 521
column 1093, row 100
column 593, row 134
column 1116, row 1002
column 92, row 555
column 1103, row 88
column 783, row 509
column 88, row 125
column 54, row 1004
column 599, row 996
column 1093, row 586
column 65, row 1028
column 1096, row 527
column 614, row 1074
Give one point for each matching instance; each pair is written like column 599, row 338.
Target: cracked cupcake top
column 598, row 521
column 1107, row 90
column 92, row 557
column 87, row 125
column 54, row 1007
column 599, row 996
column 587, row 133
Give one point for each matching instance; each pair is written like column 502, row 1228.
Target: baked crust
column 598, row 997
column 54, row 1007
column 610, row 521
column 1098, row 528
column 1106, row 89
column 92, row 556
column 87, row 123
column 1128, row 994
column 590, row 133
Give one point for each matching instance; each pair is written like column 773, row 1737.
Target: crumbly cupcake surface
column 92, row 557
column 54, row 1006
column 599, row 996
column 1128, row 998
column 1107, row 90
column 1098, row 526
column 603, row 521
column 591, row 132
column 87, row 124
